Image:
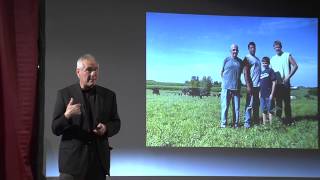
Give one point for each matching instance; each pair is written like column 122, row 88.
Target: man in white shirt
column 284, row 66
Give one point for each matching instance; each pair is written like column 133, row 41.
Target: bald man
column 230, row 87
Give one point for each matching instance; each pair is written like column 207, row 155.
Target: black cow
column 195, row 92
column 190, row 92
column 204, row 92
column 156, row 91
column 186, row 91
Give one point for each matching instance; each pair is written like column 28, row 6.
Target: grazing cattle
column 204, row 92
column 156, row 91
column 186, row 91
column 217, row 94
column 195, row 92
column 306, row 96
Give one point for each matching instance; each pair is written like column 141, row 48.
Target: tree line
column 206, row 82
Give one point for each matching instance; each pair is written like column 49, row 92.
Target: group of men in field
column 267, row 82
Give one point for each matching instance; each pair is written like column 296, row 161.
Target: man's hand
column 72, row 109
column 100, row 129
column 286, row 81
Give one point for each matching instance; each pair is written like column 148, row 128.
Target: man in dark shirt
column 85, row 115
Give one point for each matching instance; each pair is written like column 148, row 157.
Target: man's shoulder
column 104, row 90
column 248, row 56
column 273, row 57
column 252, row 58
column 239, row 60
column 284, row 54
column 69, row 88
column 73, row 88
column 232, row 59
column 226, row 59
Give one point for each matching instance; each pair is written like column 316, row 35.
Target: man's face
column 252, row 49
column 234, row 51
column 278, row 49
column 88, row 75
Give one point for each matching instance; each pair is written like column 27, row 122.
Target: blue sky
column 183, row 45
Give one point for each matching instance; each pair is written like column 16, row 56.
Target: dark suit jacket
column 73, row 150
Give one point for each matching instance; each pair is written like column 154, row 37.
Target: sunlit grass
column 183, row 121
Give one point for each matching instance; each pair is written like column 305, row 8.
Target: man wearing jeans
column 252, row 71
column 230, row 87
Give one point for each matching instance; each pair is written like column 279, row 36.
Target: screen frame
column 294, row 9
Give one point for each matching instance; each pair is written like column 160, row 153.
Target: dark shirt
column 89, row 97
column 266, row 78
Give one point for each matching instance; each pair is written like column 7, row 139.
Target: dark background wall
column 114, row 32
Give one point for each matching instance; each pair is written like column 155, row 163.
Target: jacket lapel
column 97, row 105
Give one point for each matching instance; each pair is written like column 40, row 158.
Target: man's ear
column 77, row 72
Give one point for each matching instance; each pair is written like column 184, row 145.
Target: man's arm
column 222, row 70
column 62, row 115
column 247, row 77
column 274, row 82
column 294, row 67
column 113, row 126
column 59, row 122
column 272, row 89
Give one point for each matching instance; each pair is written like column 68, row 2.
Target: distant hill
column 152, row 82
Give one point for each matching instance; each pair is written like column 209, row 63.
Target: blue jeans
column 266, row 105
column 252, row 107
column 226, row 96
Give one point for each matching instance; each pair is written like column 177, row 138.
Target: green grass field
column 184, row 121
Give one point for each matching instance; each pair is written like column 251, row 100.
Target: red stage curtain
column 18, row 87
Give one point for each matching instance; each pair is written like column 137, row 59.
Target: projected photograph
column 196, row 88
